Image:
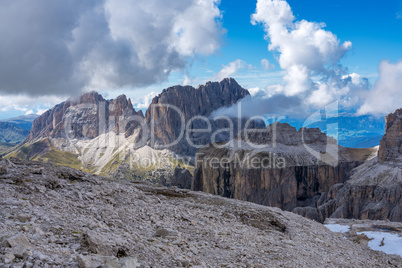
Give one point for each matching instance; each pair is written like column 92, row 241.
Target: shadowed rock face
column 174, row 107
column 374, row 189
column 299, row 182
column 202, row 100
column 286, row 188
column 391, row 143
column 355, row 188
column 182, row 178
column 374, row 202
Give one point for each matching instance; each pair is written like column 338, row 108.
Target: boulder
column 17, row 240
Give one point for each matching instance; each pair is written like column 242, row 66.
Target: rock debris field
column 54, row 216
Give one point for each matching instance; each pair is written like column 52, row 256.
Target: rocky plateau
column 55, row 216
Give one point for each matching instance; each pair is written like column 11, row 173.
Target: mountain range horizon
column 354, row 131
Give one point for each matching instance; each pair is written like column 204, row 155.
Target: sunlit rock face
column 86, row 117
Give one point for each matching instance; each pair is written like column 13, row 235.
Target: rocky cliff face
column 86, row 117
column 171, row 111
column 202, row 100
column 391, row 144
column 285, row 188
column 285, row 134
column 107, row 135
column 279, row 166
column 374, row 190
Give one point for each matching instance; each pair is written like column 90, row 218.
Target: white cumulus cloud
column 386, row 94
column 305, row 48
column 310, row 57
column 187, row 80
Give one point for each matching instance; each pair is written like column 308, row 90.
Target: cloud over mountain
column 232, row 68
column 386, row 94
column 310, row 57
column 305, row 50
column 53, row 47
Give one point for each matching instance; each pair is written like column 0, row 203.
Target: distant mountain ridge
column 23, row 122
column 15, row 130
column 10, row 133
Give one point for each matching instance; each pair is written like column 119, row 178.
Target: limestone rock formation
column 391, row 144
column 169, row 113
column 374, row 190
column 285, row 134
column 278, row 166
column 54, row 216
column 202, row 100
column 86, row 117
column 111, row 137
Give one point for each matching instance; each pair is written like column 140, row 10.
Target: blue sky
column 373, row 27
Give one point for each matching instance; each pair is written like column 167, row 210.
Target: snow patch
column 337, row 228
column 391, row 243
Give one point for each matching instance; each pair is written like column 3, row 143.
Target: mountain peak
column 229, row 80
column 91, row 97
column 86, row 122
